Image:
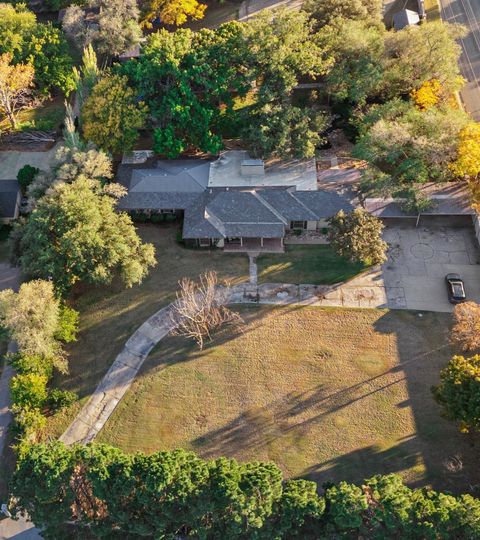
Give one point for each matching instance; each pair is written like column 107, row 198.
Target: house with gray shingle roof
column 10, row 196
column 233, row 202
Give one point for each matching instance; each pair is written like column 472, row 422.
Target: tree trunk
column 12, row 119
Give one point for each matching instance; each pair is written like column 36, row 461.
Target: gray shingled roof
column 240, row 207
column 171, row 184
column 324, row 204
column 195, row 225
column 9, row 190
column 157, row 201
column 224, row 212
column 287, row 204
column 404, row 18
column 218, row 212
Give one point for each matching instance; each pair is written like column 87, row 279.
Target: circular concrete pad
column 422, row 251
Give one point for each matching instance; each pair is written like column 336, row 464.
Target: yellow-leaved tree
column 433, row 93
column 467, row 162
column 16, row 81
column 428, row 95
column 174, row 12
column 112, row 116
column 468, row 152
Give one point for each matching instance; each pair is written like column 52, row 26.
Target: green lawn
column 315, row 264
column 109, row 315
column 327, row 394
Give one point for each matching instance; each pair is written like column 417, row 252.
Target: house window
column 233, row 240
column 168, row 211
column 204, row 242
column 298, row 225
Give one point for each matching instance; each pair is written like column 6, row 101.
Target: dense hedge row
column 110, row 494
column 39, row 324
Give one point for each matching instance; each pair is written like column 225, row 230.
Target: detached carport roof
column 449, row 199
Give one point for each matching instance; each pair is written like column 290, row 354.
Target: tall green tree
column 184, row 77
column 171, row 494
column 16, row 24
column 459, row 391
column 285, row 131
column 41, row 45
column 284, row 50
column 48, row 52
column 356, row 48
column 421, row 53
column 112, row 116
column 357, row 235
column 75, row 234
column 409, row 146
column 31, row 317
column 326, row 12
column 70, row 163
column 86, row 76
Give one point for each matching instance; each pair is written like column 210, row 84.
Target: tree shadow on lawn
column 429, row 456
column 437, row 447
column 439, row 441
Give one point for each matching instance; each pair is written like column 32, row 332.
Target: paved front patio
column 418, row 260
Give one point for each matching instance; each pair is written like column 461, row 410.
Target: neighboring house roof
column 226, row 171
column 449, row 199
column 404, row 18
column 9, row 194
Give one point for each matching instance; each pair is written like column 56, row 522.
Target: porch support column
column 241, row 241
column 261, row 241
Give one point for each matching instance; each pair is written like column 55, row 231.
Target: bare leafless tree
column 466, row 330
column 199, row 309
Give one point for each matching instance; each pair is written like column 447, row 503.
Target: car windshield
column 457, row 288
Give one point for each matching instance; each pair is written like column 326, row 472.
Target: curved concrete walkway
column 118, row 379
column 366, row 291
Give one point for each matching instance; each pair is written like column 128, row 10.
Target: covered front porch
column 264, row 245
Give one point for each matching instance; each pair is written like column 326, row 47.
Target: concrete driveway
column 419, row 259
column 12, row 161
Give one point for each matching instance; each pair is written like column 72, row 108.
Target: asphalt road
column 467, row 13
